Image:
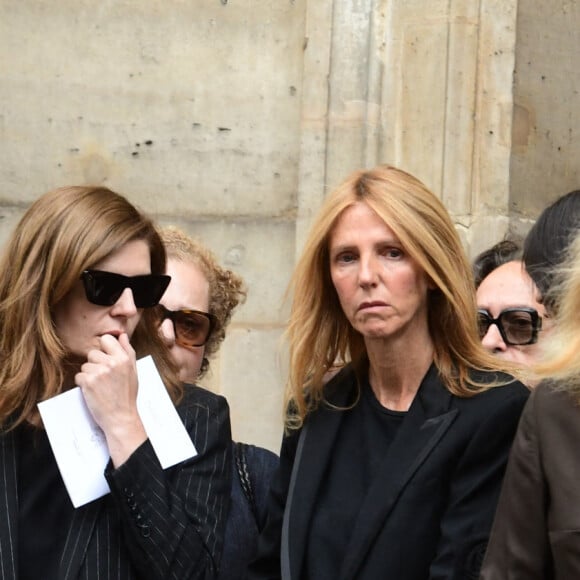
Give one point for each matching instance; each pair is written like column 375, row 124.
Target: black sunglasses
column 191, row 327
column 105, row 288
column 517, row 326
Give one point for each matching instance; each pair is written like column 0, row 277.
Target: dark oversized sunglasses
column 191, row 327
column 105, row 288
column 517, row 326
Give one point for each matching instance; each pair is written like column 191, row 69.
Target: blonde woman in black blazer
column 77, row 282
column 392, row 468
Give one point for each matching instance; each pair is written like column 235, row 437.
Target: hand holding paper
column 79, row 444
column 109, row 383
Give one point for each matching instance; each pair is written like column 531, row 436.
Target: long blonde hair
column 64, row 232
column 561, row 359
column 319, row 333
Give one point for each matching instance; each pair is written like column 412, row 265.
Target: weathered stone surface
column 262, row 252
column 9, row 217
column 544, row 162
column 235, row 119
column 251, row 374
column 193, row 105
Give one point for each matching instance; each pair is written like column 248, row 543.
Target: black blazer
column 154, row 524
column 430, row 509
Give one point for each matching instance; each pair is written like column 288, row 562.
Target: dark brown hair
column 64, row 232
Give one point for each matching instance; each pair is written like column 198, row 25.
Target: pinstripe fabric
column 8, row 498
column 154, row 524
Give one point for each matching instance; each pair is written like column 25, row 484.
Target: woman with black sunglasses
column 193, row 315
column 78, row 281
column 512, row 321
column 535, row 532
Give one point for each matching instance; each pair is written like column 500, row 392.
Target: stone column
column 422, row 84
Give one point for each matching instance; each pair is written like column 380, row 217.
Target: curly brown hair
column 226, row 288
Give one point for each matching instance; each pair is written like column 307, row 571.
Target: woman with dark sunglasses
column 537, row 523
column 193, row 315
column 511, row 318
column 535, row 532
column 78, row 281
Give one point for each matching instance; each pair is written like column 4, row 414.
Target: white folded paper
column 79, row 445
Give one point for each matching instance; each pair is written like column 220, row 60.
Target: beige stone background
column 233, row 118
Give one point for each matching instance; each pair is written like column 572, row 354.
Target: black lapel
column 78, row 538
column 286, row 571
column 9, row 508
column 426, row 422
column 309, row 468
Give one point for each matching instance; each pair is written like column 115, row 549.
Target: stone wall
column 232, row 119
column 546, row 144
column 423, row 85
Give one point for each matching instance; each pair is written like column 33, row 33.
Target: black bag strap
column 244, row 475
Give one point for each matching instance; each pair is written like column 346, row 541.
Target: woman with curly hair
column 193, row 316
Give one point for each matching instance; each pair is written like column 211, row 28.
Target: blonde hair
column 561, row 360
column 319, row 333
column 226, row 288
column 64, row 232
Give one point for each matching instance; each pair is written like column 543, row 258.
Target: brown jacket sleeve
column 536, row 531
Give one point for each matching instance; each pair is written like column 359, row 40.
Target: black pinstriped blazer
column 154, row 524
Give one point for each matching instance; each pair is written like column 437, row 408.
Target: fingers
column 114, row 358
column 109, row 383
column 125, row 343
column 111, row 345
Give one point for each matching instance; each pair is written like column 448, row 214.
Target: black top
column 365, row 436
column 45, row 510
